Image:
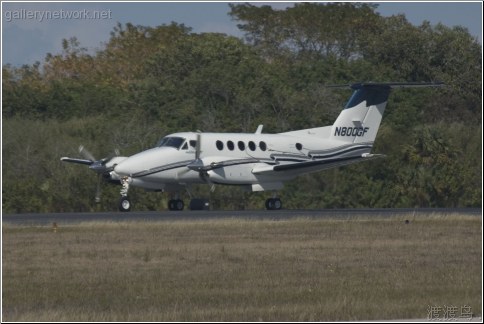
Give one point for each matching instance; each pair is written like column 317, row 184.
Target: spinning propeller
column 99, row 166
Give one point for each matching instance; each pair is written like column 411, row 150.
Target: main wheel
column 176, row 204
column 171, row 204
column 124, row 204
column 273, row 204
column 277, row 204
column 269, row 204
column 179, row 205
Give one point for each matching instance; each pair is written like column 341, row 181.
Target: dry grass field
column 242, row 270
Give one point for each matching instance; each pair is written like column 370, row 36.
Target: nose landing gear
column 124, row 202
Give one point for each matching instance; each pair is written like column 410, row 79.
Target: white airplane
column 255, row 161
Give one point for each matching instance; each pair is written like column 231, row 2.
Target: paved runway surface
column 64, row 218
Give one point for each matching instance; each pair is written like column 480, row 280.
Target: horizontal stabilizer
column 372, row 156
column 392, row 85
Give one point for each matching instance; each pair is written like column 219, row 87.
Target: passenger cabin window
column 262, row 146
column 252, row 146
column 220, row 145
column 241, row 145
column 193, row 143
column 230, row 145
column 175, row 142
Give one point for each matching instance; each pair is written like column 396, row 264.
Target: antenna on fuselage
column 198, row 146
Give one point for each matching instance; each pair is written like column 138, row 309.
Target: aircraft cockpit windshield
column 175, row 142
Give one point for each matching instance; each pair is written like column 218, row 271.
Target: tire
column 124, row 204
column 179, row 205
column 273, row 204
column 176, row 204
column 171, row 204
column 270, row 204
column 277, row 204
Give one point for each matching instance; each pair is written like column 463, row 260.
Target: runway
column 73, row 218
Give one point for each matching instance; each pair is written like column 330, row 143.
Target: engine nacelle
column 240, row 174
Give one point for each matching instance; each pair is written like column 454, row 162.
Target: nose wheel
column 124, row 204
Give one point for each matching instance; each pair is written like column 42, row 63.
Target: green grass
column 242, row 270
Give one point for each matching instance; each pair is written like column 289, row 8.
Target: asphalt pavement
column 72, row 218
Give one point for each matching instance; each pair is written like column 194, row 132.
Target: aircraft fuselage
column 234, row 159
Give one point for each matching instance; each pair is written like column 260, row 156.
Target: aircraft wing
column 207, row 164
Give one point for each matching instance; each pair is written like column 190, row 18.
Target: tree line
column 146, row 82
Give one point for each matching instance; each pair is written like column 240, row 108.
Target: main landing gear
column 273, row 204
column 175, row 204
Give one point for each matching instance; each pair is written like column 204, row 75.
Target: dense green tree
column 307, row 30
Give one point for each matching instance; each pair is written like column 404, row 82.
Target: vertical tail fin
column 360, row 119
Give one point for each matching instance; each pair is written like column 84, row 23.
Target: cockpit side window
column 175, row 142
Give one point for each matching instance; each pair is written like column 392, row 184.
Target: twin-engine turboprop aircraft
column 257, row 161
